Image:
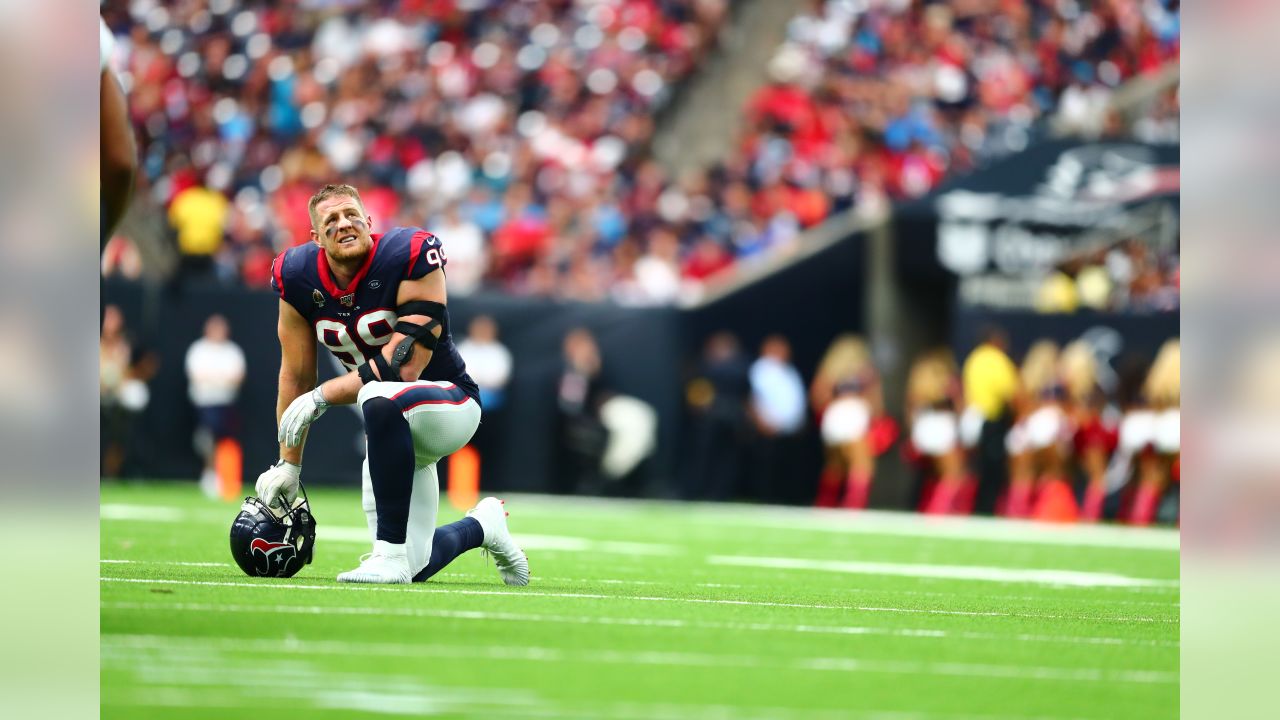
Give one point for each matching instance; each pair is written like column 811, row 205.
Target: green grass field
column 644, row 610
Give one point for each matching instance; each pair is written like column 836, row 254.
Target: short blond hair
column 329, row 191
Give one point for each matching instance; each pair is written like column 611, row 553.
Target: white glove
column 303, row 411
column 278, row 486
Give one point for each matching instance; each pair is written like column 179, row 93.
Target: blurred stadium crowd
column 1127, row 274
column 518, row 131
column 889, row 98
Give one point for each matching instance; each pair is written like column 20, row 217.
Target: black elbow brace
column 415, row 334
column 421, row 334
column 386, row 371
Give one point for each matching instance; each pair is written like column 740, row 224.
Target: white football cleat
column 388, row 564
column 512, row 564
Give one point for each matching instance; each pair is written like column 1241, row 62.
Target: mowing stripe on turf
column 1168, row 604
column 1072, row 578
column 870, row 522
column 450, row 573
column 625, row 621
column 651, row 657
column 642, row 598
column 419, row 700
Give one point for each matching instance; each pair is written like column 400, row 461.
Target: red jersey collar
column 326, row 278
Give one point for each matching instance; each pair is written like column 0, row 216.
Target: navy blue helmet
column 266, row 544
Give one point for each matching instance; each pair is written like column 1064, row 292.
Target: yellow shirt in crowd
column 199, row 214
column 990, row 380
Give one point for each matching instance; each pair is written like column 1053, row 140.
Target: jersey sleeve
column 277, row 275
column 288, row 279
column 426, row 255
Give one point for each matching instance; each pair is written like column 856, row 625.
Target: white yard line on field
column 676, row 623
column 1070, row 578
column 637, row 598
column 148, row 513
column 450, row 573
column 654, row 657
column 166, row 562
column 360, row 535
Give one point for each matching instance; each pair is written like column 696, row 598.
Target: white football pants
column 442, row 420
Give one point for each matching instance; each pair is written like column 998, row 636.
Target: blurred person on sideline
column 631, row 425
column 488, row 360
column 1038, row 441
column 198, row 215
column 1133, row 433
column 468, row 254
column 1093, row 424
column 581, row 437
column 848, row 401
column 990, row 386
column 1156, row 435
column 932, row 405
column 717, row 399
column 778, row 414
column 489, row 363
column 119, row 148
column 215, row 367
column 122, row 390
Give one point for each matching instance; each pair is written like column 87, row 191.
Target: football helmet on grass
column 268, row 543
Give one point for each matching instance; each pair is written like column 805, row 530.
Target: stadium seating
column 533, row 120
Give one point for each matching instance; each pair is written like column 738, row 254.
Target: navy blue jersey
column 356, row 321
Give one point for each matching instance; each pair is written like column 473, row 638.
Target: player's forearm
column 342, row 390
column 291, row 386
column 345, row 389
column 412, row 368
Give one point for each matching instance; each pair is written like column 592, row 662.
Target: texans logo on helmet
column 271, row 558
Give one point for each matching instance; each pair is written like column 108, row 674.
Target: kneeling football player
column 378, row 303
